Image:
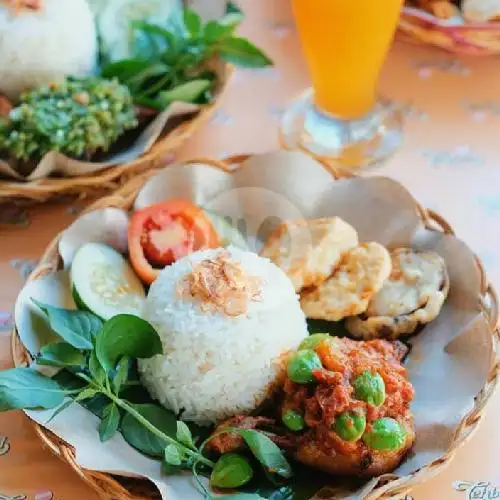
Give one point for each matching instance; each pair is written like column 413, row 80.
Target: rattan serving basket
column 470, row 38
column 112, row 178
column 113, row 487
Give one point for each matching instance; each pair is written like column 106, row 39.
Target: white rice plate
column 215, row 366
column 42, row 47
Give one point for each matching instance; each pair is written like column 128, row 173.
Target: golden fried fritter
column 309, row 250
column 360, row 275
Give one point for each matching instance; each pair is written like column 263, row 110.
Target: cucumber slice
column 103, row 282
column 228, row 232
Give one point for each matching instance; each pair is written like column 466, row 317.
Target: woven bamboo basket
column 112, row 487
column 111, row 178
column 470, row 39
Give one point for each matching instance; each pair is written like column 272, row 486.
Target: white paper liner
column 450, row 358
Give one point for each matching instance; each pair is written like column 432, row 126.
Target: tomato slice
column 163, row 233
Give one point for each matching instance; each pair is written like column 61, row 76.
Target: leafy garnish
column 60, row 354
column 100, row 373
column 110, row 422
column 77, row 328
column 23, row 388
column 140, row 437
column 171, row 65
column 184, row 435
column 121, row 375
column 126, row 335
column 266, row 452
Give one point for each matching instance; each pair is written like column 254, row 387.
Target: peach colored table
column 449, row 161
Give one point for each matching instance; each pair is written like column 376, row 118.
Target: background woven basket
column 471, row 39
column 113, row 488
column 112, row 178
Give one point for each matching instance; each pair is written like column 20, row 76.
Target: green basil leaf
column 266, row 452
column 147, row 102
column 77, row 328
column 241, row 52
column 124, row 69
column 169, row 469
column 214, row 31
column 172, row 455
column 87, row 393
column 184, row 435
column 126, row 335
column 23, row 388
column 192, row 21
column 60, row 354
column 109, row 423
column 142, row 439
column 121, row 374
column 95, row 368
column 186, row 92
column 152, row 71
column 231, row 471
column 59, row 409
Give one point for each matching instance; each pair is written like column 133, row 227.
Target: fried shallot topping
column 19, row 5
column 221, row 284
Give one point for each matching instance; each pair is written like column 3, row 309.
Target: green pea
column 231, row 471
column 301, row 366
column 293, row 420
column 313, row 340
column 370, row 387
column 350, row 426
column 386, row 434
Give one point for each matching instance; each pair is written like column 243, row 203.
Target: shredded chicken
column 221, row 285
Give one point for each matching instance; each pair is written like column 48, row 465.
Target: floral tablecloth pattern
column 450, row 161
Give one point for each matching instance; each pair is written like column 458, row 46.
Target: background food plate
column 452, row 35
column 177, row 130
column 454, row 364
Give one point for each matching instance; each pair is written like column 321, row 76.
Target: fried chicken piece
column 333, row 394
column 343, row 361
column 354, row 460
column 309, row 250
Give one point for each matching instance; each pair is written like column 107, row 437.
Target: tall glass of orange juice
column 345, row 43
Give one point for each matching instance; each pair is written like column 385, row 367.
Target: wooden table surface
column 449, row 161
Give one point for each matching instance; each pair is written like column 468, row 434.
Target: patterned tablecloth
column 449, row 161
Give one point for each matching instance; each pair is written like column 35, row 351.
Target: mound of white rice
column 215, row 366
column 42, row 47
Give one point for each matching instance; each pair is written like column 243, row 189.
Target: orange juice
column 345, row 43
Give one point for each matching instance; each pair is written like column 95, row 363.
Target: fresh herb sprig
column 101, row 356
column 172, row 65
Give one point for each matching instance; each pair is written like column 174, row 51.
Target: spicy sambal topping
column 365, row 378
column 221, row 285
